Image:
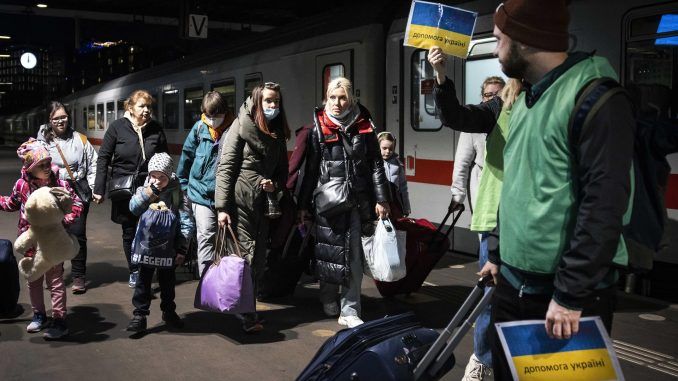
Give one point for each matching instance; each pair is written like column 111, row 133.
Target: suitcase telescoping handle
column 460, row 210
column 442, row 349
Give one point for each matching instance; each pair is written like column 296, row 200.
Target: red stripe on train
column 439, row 172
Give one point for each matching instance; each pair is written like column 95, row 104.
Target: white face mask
column 214, row 122
column 271, row 113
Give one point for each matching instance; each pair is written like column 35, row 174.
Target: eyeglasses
column 60, row 119
column 490, row 95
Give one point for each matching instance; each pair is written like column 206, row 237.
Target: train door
column 650, row 72
column 330, row 66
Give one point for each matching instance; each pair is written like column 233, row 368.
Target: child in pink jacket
column 37, row 171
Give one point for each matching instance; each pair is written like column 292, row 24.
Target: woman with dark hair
column 76, row 159
column 128, row 145
column 343, row 149
column 252, row 169
column 196, row 170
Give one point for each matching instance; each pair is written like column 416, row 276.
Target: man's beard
column 515, row 65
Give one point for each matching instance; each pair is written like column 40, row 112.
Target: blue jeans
column 481, row 339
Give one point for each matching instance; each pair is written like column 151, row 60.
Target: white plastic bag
column 385, row 253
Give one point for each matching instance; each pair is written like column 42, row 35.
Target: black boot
column 172, row 319
column 137, row 324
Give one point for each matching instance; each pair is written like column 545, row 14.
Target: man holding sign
column 563, row 202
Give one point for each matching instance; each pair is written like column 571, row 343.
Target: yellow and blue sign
column 432, row 24
column 532, row 355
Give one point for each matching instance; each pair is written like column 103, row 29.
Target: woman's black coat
column 121, row 151
column 369, row 184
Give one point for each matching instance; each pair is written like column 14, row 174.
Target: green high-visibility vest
column 538, row 202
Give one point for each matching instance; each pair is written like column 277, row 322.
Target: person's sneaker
column 137, row 324
column 475, row 370
column 172, row 319
column 38, row 323
column 331, row 309
column 351, row 321
column 57, row 331
column 133, row 279
column 78, row 286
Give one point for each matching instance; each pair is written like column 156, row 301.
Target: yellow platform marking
column 323, row 333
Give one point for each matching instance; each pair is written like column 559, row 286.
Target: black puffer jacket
column 368, row 180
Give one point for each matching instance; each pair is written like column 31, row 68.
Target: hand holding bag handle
column 220, row 245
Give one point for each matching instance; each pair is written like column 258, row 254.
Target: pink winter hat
column 32, row 152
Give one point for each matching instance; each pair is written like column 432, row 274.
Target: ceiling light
column 4, row 55
column 40, row 5
column 4, row 37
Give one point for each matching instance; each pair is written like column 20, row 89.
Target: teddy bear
column 45, row 210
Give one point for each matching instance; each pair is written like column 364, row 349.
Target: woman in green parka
column 253, row 162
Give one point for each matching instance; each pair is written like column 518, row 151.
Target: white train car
column 394, row 82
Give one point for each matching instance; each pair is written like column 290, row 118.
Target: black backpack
column 653, row 140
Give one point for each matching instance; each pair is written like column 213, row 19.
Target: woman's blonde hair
column 510, row 92
column 134, row 97
column 341, row 82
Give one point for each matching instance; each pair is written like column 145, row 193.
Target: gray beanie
column 161, row 162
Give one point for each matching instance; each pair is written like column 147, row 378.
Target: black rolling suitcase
column 9, row 281
column 395, row 347
column 284, row 266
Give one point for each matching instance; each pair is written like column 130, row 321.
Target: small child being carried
column 161, row 240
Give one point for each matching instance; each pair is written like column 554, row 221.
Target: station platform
column 213, row 346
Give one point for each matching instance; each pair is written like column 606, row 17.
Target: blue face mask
column 271, row 113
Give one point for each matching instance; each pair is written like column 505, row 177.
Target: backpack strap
column 83, row 139
column 588, row 102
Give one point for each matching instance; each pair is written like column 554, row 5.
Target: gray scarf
column 347, row 119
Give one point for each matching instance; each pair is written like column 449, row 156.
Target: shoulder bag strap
column 63, row 158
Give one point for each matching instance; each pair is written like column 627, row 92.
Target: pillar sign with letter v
column 197, row 26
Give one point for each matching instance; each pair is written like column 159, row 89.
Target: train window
column 110, row 113
column 192, row 101
column 84, row 118
column 120, row 112
column 100, row 116
column 651, row 64
column 331, row 72
column 251, row 81
column 482, row 48
column 91, row 120
column 423, row 110
column 170, row 109
column 227, row 90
